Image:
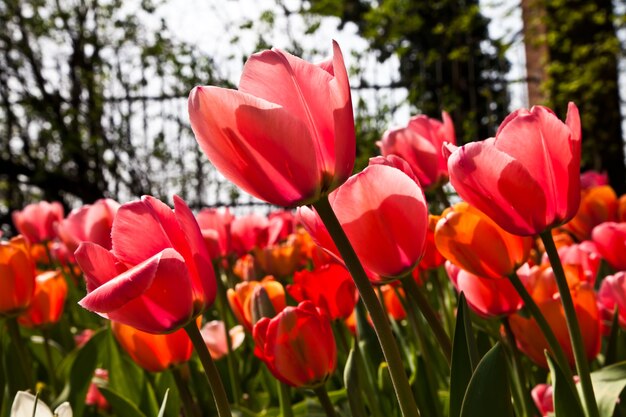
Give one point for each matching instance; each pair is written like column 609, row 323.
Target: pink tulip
column 287, row 136
column 384, row 214
column 215, row 226
column 158, row 276
column 488, row 297
column 37, row 221
column 543, row 398
column 590, row 179
column 420, row 145
column 253, row 230
column 214, row 336
column 90, row 223
column 526, row 178
column 610, row 240
column 612, row 295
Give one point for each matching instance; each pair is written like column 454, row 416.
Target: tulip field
column 483, row 280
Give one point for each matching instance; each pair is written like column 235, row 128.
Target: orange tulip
column 393, row 305
column 475, row 243
column 597, row 205
column 240, row 299
column 542, row 287
column 48, row 301
column 247, row 268
column 432, row 257
column 280, row 260
column 153, row 352
column 17, row 276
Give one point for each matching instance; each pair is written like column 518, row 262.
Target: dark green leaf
column 488, row 393
column 82, row 370
column 566, row 401
column 351, row 381
column 120, row 405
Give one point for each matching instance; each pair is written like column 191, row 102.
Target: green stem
column 582, row 366
column 526, row 401
column 327, row 405
column 190, row 408
column 379, row 319
column 20, row 348
column 217, row 387
column 223, row 306
column 416, row 295
column 545, row 328
column 284, row 399
column 51, row 368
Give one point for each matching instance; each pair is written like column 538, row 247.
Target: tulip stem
column 525, row 400
column 327, row 405
column 20, row 349
column 50, row 363
column 378, row 316
column 543, row 324
column 582, row 366
column 284, row 399
column 430, row 315
column 223, row 311
column 190, row 409
column 217, row 387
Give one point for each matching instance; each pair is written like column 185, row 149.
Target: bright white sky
column 212, row 24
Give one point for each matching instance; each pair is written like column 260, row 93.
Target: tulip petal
column 238, row 134
column 98, row 264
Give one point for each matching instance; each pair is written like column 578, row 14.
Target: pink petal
column 98, row 264
column 239, row 134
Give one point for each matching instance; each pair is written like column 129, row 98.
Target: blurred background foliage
column 93, row 98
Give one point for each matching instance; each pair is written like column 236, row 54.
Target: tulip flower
column 240, row 299
column 37, row 221
column 25, row 403
column 590, row 179
column 215, row 226
column 329, row 287
column 287, row 221
column 214, row 336
column 280, row 260
column 253, row 231
column 94, row 396
column 533, row 154
column 543, row 290
column 420, row 145
column 247, row 268
column 90, row 223
column 297, row 345
column 393, row 305
column 475, row 243
column 153, row 352
column 432, row 257
column 488, row 297
column 48, row 301
column 287, row 136
column 584, row 255
column 543, row 397
column 383, row 212
column 612, row 295
column 158, row 276
column 17, row 276
column 610, row 240
column 597, row 205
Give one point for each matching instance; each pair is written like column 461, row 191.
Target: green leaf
column 125, row 377
column 165, row 383
column 426, row 393
column 351, row 380
column 464, row 354
column 164, row 404
column 120, row 405
column 82, row 370
column 566, row 401
column 608, row 384
column 616, row 343
column 488, row 393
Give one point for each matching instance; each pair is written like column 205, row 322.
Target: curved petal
column 238, row 133
column 98, row 264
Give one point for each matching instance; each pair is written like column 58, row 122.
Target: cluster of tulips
column 367, row 295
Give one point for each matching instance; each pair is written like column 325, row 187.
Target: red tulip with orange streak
column 297, row 345
column 240, row 298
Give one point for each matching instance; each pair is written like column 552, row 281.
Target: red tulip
column 610, row 240
column 287, row 136
column 384, row 214
column 297, row 345
column 393, row 305
column 48, row 301
column 17, row 276
column 94, row 396
column 432, row 257
column 533, row 154
column 153, row 352
column 158, row 276
column 543, row 397
column 612, row 295
column 420, row 145
column 37, row 221
column 90, row 223
column 329, row 287
column 488, row 297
